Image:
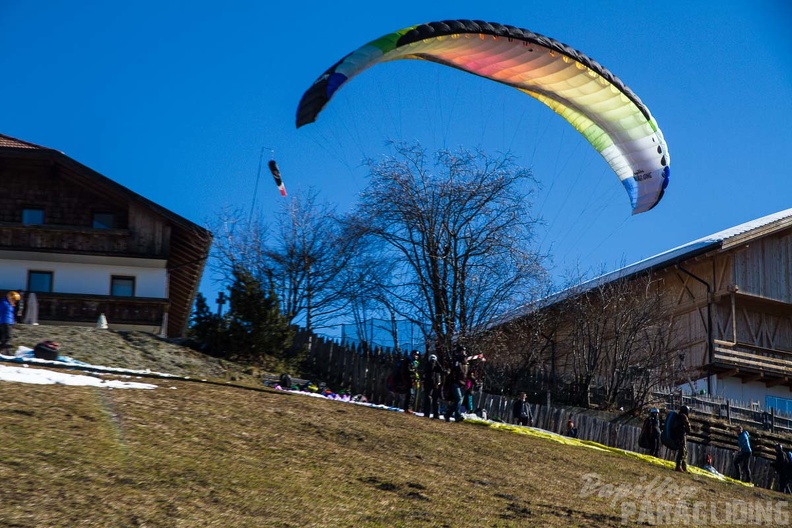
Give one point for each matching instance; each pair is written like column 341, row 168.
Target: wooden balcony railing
column 69, row 239
column 752, row 360
column 74, row 308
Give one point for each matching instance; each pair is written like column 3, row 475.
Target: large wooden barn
column 730, row 297
column 87, row 246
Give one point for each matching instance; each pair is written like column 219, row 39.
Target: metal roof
column 739, row 233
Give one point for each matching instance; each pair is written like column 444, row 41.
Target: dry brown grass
column 133, row 350
column 193, row 455
column 190, row 454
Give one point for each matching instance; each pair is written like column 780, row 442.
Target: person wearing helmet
column 7, row 319
column 432, row 377
column 650, row 433
column 411, row 379
column 654, row 438
column 782, row 465
column 681, row 430
column 458, row 377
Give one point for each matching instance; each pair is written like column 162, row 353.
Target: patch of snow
column 37, row 376
column 25, row 355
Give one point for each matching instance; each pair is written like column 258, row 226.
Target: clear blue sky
column 176, row 100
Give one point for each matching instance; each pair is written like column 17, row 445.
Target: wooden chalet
column 88, row 246
column 731, row 297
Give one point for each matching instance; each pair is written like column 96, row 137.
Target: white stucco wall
column 86, row 277
column 734, row 389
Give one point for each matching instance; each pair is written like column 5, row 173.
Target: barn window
column 103, row 221
column 39, row 281
column 122, row 286
column 32, row 216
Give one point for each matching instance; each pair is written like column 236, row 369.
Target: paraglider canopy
column 593, row 100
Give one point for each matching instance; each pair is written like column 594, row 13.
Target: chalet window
column 122, row 286
column 103, row 220
column 32, row 216
column 39, row 281
column 781, row 405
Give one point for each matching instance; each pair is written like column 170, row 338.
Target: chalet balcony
column 752, row 363
column 79, row 309
column 75, row 240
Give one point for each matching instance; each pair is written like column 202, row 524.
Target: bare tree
column 620, row 337
column 239, row 244
column 300, row 256
column 308, row 255
column 460, row 237
column 366, row 277
column 519, row 348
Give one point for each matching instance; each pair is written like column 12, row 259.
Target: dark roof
column 9, row 142
column 104, row 181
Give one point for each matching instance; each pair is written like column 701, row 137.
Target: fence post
column 728, row 411
column 772, row 419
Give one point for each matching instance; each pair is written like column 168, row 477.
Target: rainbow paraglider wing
column 594, row 101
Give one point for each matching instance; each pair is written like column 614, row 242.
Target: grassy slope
column 134, row 350
column 190, row 454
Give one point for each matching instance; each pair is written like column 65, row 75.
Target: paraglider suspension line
column 258, row 177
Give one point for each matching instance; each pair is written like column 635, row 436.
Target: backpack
column 47, row 350
column 668, row 436
column 433, row 374
column 395, row 380
column 647, row 433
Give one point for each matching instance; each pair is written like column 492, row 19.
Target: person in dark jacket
column 521, row 410
column 654, row 438
column 680, row 432
column 457, row 381
column 571, row 429
column 782, row 467
column 742, row 462
column 410, row 379
column 7, row 320
column 432, row 378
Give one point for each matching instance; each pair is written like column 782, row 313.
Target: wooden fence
column 709, row 435
column 351, row 368
column 745, row 414
column 362, row 371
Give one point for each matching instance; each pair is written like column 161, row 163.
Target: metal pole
column 709, row 321
column 221, row 299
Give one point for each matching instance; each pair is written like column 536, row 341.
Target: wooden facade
column 749, row 302
column 730, row 299
column 70, row 197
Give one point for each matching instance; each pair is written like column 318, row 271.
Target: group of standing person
column 651, row 436
column 455, row 383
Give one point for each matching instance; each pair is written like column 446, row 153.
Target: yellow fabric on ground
column 541, row 433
